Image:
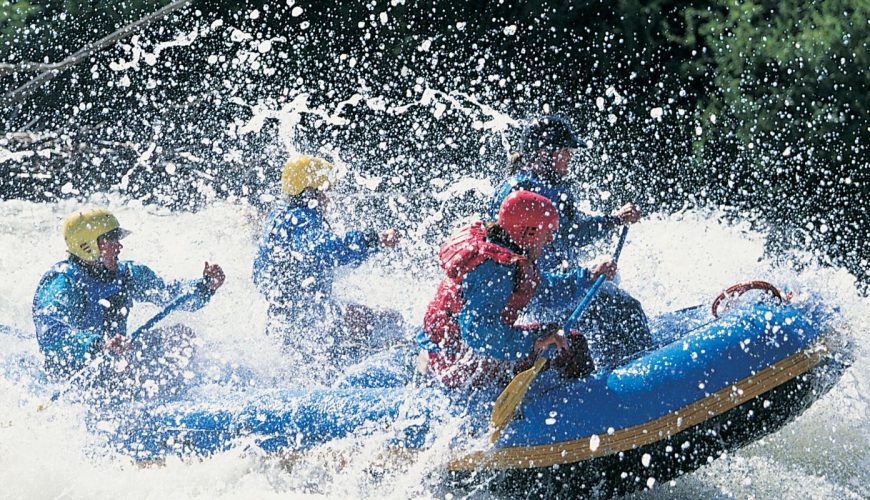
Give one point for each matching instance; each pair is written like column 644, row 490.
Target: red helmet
column 524, row 214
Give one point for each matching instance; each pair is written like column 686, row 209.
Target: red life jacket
column 463, row 252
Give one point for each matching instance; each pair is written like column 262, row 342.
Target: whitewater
column 669, row 262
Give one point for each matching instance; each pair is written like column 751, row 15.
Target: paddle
column 510, row 398
column 172, row 306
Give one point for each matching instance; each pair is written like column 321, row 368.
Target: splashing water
column 669, row 262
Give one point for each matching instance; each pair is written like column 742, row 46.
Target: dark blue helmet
column 548, row 132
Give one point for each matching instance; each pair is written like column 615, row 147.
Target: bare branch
column 26, row 67
column 23, row 91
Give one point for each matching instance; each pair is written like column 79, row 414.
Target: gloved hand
column 213, row 276
column 628, row 214
column 576, row 361
column 117, row 345
column 608, row 269
column 389, row 238
column 549, row 335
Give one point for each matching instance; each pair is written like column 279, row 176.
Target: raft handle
column 739, row 289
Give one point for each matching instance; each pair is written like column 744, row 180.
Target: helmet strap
column 497, row 234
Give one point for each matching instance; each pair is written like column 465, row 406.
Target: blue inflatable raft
column 712, row 385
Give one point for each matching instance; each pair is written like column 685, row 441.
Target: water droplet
column 594, row 442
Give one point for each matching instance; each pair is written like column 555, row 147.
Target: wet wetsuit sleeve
column 486, row 290
column 273, row 254
column 350, row 248
column 332, row 250
column 145, row 286
column 311, row 236
column 586, row 229
column 297, row 246
column 56, row 306
column 562, row 291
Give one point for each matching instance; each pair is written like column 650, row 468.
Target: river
column 670, row 261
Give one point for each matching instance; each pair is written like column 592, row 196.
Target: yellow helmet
column 81, row 230
column 303, row 172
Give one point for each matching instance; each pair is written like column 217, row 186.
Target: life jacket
column 552, row 188
column 298, row 255
column 106, row 303
column 462, row 253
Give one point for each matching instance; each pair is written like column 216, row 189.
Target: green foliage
column 14, row 17
column 788, row 82
column 792, row 73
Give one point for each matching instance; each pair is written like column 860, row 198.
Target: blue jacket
column 486, row 290
column 298, row 255
column 576, row 229
column 75, row 308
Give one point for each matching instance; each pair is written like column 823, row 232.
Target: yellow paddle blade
column 510, row 398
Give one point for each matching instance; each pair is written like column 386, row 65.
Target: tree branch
column 26, row 67
column 55, row 69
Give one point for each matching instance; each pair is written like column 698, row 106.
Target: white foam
column 668, row 262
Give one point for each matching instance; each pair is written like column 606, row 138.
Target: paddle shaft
column 171, row 307
column 510, row 398
column 581, row 307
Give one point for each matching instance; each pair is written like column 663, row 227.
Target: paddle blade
column 510, row 398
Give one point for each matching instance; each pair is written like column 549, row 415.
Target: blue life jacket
column 576, row 229
column 298, row 255
column 75, row 308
